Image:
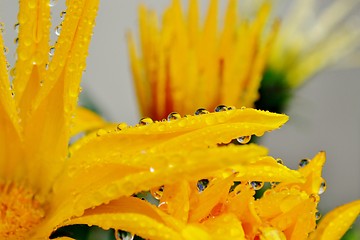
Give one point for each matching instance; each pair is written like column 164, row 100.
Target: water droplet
column 173, row 116
column 202, row 184
column 231, row 108
column 41, row 83
column 304, row 162
column 221, row 108
column 314, row 197
column 16, row 27
column 317, row 215
column 152, row 169
column 145, row 121
column 6, row 50
column 2, row 27
column 52, row 51
column 280, row 161
column 52, row 3
column 244, row 139
column 273, row 184
column 123, row 235
column 16, row 40
column 62, row 15
column 201, row 111
column 322, row 187
column 157, row 192
column 47, row 66
column 8, row 65
column 101, row 132
column 121, row 126
column 256, row 185
column 58, row 30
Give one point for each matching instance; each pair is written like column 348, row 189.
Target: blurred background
column 324, row 113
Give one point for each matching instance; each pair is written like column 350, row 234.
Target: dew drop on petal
column 123, row 235
column 314, row 197
column 52, row 3
column 145, row 121
column 2, row 27
column 221, row 108
column 6, row 50
column 202, row 184
column 16, row 27
column 256, row 185
column 62, row 15
column 157, row 192
column 173, row 116
column 304, row 162
column 201, row 111
column 58, row 30
column 152, row 169
column 101, row 132
column 231, row 108
column 317, row 215
column 52, row 51
column 121, row 126
column 16, row 40
column 322, row 187
column 244, row 139
column 280, row 161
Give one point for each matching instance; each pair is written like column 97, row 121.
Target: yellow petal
column 104, row 181
column 225, row 226
column 215, row 194
column 175, row 200
column 132, row 215
column 312, row 175
column 192, row 132
column 335, row 224
column 266, row 169
column 57, row 98
column 86, row 120
column 11, row 161
column 32, row 52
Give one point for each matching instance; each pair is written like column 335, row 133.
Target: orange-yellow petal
column 335, row 224
column 86, row 120
column 225, row 226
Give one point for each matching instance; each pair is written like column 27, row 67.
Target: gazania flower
column 184, row 65
column 45, row 185
column 308, row 41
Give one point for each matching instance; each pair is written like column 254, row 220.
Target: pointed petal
column 225, row 226
column 193, row 132
column 86, row 120
column 131, row 215
column 107, row 180
column 56, row 101
column 207, row 200
column 335, row 224
column 11, row 162
column 32, row 52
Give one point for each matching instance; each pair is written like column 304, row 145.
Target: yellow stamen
column 20, row 211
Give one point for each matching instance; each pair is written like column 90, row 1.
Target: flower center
column 19, row 212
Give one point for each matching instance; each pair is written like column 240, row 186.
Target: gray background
column 324, row 115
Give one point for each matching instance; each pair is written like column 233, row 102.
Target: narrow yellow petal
column 335, row 224
column 55, row 104
column 32, row 52
column 132, row 215
column 266, row 169
column 225, row 226
column 11, row 161
column 86, row 120
column 213, row 195
column 211, row 129
column 175, row 200
column 101, row 182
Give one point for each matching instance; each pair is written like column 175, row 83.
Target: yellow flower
column 44, row 184
column 225, row 207
column 183, row 66
column 310, row 40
